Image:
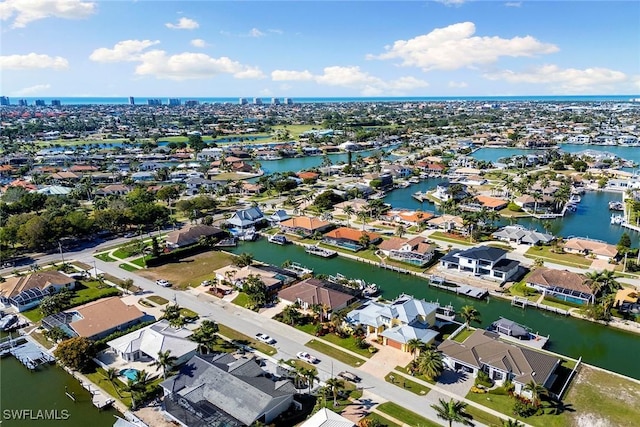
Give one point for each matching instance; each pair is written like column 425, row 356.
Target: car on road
column 163, row 283
column 349, row 376
column 306, row 357
column 130, row 235
column 265, row 338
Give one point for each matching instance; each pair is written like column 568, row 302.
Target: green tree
column 206, row 335
column 335, row 385
column 624, row 244
column 469, row 314
column 112, row 375
column 76, row 353
column 55, row 303
column 243, row 260
column 536, row 390
column 196, row 143
column 415, row 346
column 451, row 411
column 290, row 315
column 430, row 363
column 165, row 361
column 256, row 291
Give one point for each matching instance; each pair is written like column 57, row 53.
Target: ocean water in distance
column 319, row 100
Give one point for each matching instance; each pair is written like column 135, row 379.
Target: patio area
column 110, row 359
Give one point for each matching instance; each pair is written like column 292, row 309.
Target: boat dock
column 30, row 354
column 467, row 290
column 524, row 303
column 518, row 334
column 321, row 252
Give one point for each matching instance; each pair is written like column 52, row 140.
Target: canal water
column 597, row 344
column 44, row 390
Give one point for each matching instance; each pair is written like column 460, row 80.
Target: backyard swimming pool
column 129, row 373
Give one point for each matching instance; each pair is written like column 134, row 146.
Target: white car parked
column 265, row 338
column 163, row 283
column 303, row 355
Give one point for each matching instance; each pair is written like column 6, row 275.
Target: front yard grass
column 504, row 404
column 335, row 353
column 407, row 384
column 105, row 257
column 158, row 299
column 405, row 415
column 99, row 378
column 140, row 262
column 463, row 335
column 90, row 290
column 348, row 343
column 191, row 270
column 545, row 253
column 242, row 299
column 128, row 267
column 451, row 238
column 240, row 338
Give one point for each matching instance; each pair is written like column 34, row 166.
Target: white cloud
column 280, row 75
column 455, row 47
column 34, row 10
column 513, row 4
column 567, row 80
column 275, row 31
column 457, row 85
column 188, row 65
column 32, row 90
column 254, row 32
column 451, row 2
column 126, row 50
column 198, row 43
column 351, row 77
column 32, row 61
column 183, row 24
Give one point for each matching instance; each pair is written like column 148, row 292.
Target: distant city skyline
column 186, row 49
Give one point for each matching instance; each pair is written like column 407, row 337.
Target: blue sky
column 306, row 48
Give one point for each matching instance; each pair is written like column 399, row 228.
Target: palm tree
column 400, row 231
column 205, row 335
column 165, row 361
column 469, row 314
column 171, row 311
column 512, row 423
column 536, row 391
column 243, row 260
column 335, row 385
column 451, row 411
column 430, row 363
column 363, row 216
column 310, row 375
column 348, row 211
column 112, row 376
column 132, row 388
column 415, row 346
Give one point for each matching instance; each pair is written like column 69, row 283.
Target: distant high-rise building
column 174, row 101
column 132, row 100
column 155, row 101
column 192, row 103
column 56, row 102
column 242, row 101
column 275, row 101
column 22, row 102
column 288, row 101
column 257, row 101
column 4, row 100
column 39, row 103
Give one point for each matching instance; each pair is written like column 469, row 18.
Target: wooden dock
column 466, row 290
column 524, row 303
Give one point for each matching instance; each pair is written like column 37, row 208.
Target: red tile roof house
column 561, row 284
column 408, row 217
column 417, row 251
column 304, row 226
column 349, row 238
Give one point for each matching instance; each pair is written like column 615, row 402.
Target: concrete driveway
column 456, row 382
column 385, row 361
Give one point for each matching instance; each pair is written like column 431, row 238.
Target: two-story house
column 481, row 261
column 417, row 251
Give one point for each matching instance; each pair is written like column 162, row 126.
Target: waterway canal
column 597, row 344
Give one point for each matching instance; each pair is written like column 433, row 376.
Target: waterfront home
column 356, row 204
column 595, row 248
column 277, row 217
column 397, row 322
column 407, row 217
column 26, row 292
column 247, row 218
column 96, row 319
column 237, row 276
column 222, row 389
column 443, row 191
column 491, row 203
column 520, row 235
column 398, row 171
column 350, row 238
column 327, row 418
column 417, row 251
column 143, row 176
column 191, row 234
column 481, row 261
column 304, row 226
column 143, row 345
column 431, row 167
column 484, row 351
column 196, row 184
column 308, row 176
column 447, row 223
column 314, row 291
column 561, row 284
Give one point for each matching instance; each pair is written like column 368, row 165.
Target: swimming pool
column 129, row 373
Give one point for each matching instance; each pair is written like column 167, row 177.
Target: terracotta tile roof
column 391, row 244
column 83, row 168
column 548, row 277
column 40, row 280
column 592, row 246
column 102, row 315
column 307, row 223
column 308, row 175
column 351, row 234
column 491, row 202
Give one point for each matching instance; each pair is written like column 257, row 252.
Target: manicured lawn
column 405, row 415
column 105, row 257
column 521, row 289
column 348, row 343
column 192, row 270
column 242, row 299
column 114, row 279
column 484, row 417
column 243, row 339
column 452, row 238
column 128, row 267
column 296, row 363
column 335, row 353
column 504, row 404
column 158, row 299
column 91, row 290
column 34, row 315
column 81, row 265
column 544, row 252
column 406, row 370
column 463, row 335
column 407, row 384
column 122, row 253
column 556, row 304
column 344, row 399
column 99, row 378
column 42, row 340
column 381, row 420
column 139, row 262
column 185, row 312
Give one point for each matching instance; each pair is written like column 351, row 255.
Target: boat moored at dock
column 321, row 252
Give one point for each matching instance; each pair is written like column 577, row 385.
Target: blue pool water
column 129, row 373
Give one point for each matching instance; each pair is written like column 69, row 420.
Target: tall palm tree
column 400, row 231
column 348, row 211
column 430, row 363
column 112, row 376
column 165, row 361
column 363, row 216
column 451, row 411
column 205, row 335
column 469, row 314
column 335, row 385
column 310, row 375
column 536, row 391
column 415, row 346
column 132, row 388
column 512, row 423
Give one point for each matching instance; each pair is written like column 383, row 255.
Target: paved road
column 289, row 340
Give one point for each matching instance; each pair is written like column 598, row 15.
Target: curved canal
column 598, row 345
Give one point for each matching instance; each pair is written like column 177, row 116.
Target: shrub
column 523, row 408
column 478, row 390
column 483, row 379
column 513, row 207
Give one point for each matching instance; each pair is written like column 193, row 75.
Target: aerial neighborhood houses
column 26, row 292
column 481, row 261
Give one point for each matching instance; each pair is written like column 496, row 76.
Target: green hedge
column 101, row 344
column 176, row 255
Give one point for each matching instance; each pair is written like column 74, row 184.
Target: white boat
column 616, row 206
column 321, row 252
column 279, row 239
column 575, row 199
column 617, row 219
column 446, row 313
column 414, row 180
column 8, row 322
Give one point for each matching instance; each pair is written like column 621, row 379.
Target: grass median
column 336, row 353
column 406, row 416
